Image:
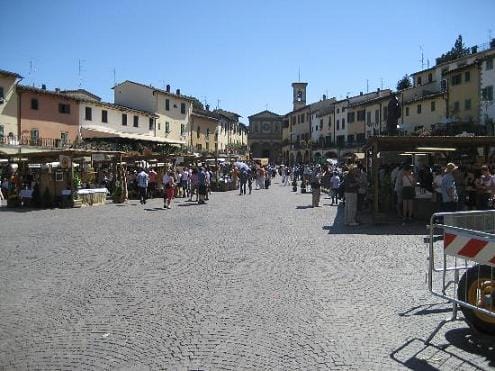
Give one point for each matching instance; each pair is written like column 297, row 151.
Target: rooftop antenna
column 32, row 71
column 489, row 35
column 367, row 86
column 299, row 74
column 422, row 57
column 427, row 63
column 114, row 77
column 80, row 71
column 381, row 83
column 218, row 103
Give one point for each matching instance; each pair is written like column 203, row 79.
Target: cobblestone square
column 254, row 282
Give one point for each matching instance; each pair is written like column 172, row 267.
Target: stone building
column 265, row 135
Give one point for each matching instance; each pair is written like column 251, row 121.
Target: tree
column 458, row 50
column 404, row 83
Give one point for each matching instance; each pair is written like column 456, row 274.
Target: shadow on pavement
column 368, row 227
column 415, row 354
column 304, row 207
column 425, row 309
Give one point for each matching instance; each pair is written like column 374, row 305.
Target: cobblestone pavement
column 253, row 282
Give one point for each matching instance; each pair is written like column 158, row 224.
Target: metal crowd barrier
column 461, row 265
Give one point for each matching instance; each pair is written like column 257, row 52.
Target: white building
column 340, row 122
column 487, row 82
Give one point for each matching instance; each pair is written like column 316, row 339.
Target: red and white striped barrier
column 469, row 246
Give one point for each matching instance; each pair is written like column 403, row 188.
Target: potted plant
column 117, row 195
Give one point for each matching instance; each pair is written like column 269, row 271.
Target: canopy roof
column 410, row 143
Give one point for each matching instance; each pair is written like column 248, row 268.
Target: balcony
column 34, row 142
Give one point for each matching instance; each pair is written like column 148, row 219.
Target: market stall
column 418, row 151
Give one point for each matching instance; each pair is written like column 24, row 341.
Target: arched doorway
column 299, row 158
column 291, row 159
column 307, row 157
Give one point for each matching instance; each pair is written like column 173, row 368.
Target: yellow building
column 463, row 94
column 423, row 112
column 8, row 107
column 204, row 127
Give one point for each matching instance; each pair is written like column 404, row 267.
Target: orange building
column 47, row 118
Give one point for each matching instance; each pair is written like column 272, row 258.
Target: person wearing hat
column 449, row 190
column 315, row 186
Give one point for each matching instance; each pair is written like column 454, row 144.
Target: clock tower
column 299, row 94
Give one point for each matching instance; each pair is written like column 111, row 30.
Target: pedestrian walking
column 351, row 184
column 168, row 189
column 202, row 188
column 334, row 188
column 315, row 186
column 449, row 191
column 142, row 184
column 243, row 177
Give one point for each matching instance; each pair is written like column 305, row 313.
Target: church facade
column 265, row 136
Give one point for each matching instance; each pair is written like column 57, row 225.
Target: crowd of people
column 452, row 187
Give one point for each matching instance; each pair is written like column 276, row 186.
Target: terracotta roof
column 205, row 113
column 47, row 92
column 184, row 97
column 424, row 97
column 265, row 113
column 230, row 115
column 8, row 73
column 371, row 100
column 81, row 91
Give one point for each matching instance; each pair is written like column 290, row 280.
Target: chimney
column 360, row 93
column 43, row 86
column 207, row 107
column 168, row 88
column 57, row 90
column 378, row 90
column 324, row 97
column 177, row 92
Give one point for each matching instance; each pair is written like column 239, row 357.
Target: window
column 430, row 77
column 456, row 106
column 385, row 113
column 159, row 126
column 456, row 79
column 136, row 121
column 467, row 76
column 199, row 147
column 1, row 92
column 321, row 124
column 432, row 106
column 368, row 118
column 183, row 108
column 361, row 115
column 89, row 114
column 407, row 111
column 467, row 104
column 167, row 127
column 350, row 117
column 151, row 124
column 338, row 110
column 361, row 138
column 350, row 138
column 489, row 64
column 1, row 131
column 207, row 133
column 35, row 136
column 34, row 103
column 418, row 108
column 64, row 138
column 329, row 122
column 207, row 146
column 124, row 119
column 302, row 118
column 487, row 93
column 338, row 124
column 343, row 124
column 104, row 116
column 419, row 80
column 182, row 129
column 64, row 108
column 167, row 105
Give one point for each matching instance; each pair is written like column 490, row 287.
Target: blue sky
column 243, row 53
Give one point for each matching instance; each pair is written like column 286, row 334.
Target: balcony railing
column 34, row 142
